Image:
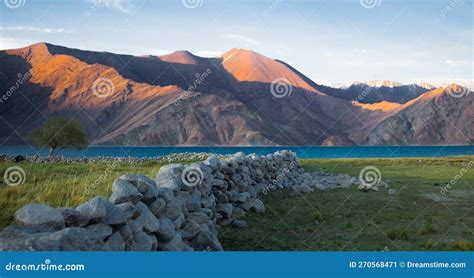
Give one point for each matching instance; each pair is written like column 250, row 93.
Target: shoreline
column 179, row 157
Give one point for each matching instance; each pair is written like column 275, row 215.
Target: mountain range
column 240, row 98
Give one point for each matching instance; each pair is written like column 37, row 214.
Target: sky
column 332, row 42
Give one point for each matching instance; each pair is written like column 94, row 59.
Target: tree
column 58, row 133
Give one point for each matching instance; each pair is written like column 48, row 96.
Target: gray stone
column 172, row 210
column 38, row 214
column 129, row 210
column 166, row 230
column 94, row 209
column 198, row 217
column 158, row 207
column 104, row 231
column 114, row 215
column 143, row 242
column 75, row 239
column 141, row 182
column 190, row 230
column 178, row 222
column 16, row 231
column 116, row 242
column 239, row 224
column 213, row 162
column 254, row 205
column 176, row 244
column 206, row 240
column 149, row 221
column 169, row 176
column 154, row 242
column 225, row 210
column 73, row 218
column 193, row 203
column 124, row 191
column 243, row 197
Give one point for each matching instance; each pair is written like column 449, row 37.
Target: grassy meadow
column 418, row 217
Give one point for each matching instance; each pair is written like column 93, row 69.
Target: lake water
column 302, row 152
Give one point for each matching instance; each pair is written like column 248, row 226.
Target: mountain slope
column 192, row 101
column 183, row 99
column 429, row 119
column 377, row 91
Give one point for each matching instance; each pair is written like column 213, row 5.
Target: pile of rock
column 108, row 159
column 178, row 211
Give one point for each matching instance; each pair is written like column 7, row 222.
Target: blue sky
column 329, row 41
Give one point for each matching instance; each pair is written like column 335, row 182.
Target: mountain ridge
column 184, row 99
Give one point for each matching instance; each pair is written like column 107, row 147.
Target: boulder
column 39, row 214
column 129, row 210
column 206, row 241
column 169, row 176
column 143, row 242
column 147, row 219
column 104, row 231
column 74, row 239
column 16, row 231
column 116, row 242
column 225, row 210
column 73, row 218
column 239, row 224
column 190, row 230
column 124, row 191
column 166, row 230
column 94, row 209
column 158, row 207
column 176, row 244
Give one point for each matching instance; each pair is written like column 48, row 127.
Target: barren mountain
column 183, row 99
column 377, row 91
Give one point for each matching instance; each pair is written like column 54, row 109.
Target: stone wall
column 178, row 211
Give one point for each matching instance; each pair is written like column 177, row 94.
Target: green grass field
column 419, row 217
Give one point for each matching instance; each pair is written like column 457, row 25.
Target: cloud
column 457, row 63
column 209, row 53
column 123, row 6
column 241, row 38
column 33, row 29
column 158, row 52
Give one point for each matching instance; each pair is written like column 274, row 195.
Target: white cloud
column 123, row 6
column 158, row 52
column 33, row 29
column 209, row 53
column 241, row 38
column 457, row 63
